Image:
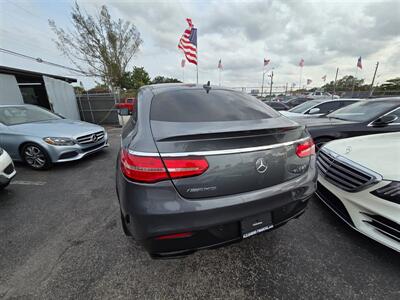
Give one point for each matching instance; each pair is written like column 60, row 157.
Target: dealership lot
column 61, row 237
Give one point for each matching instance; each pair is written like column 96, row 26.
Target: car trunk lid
column 242, row 156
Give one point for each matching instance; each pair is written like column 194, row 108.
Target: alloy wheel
column 35, row 157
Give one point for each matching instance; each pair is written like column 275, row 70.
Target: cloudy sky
column 327, row 34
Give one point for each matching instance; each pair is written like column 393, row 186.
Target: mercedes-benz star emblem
column 93, row 138
column 261, row 165
column 348, row 149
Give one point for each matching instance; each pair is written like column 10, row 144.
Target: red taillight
column 185, row 167
column 142, row 168
column 152, row 169
column 175, row 236
column 306, row 148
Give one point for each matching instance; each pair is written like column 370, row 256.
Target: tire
column 124, row 226
column 4, row 185
column 35, row 157
column 319, row 142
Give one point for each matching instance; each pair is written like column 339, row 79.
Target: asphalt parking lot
column 60, row 237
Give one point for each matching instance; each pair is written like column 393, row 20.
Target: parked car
column 322, row 95
column 201, row 167
column 360, row 118
column 277, row 105
column 283, row 98
column 316, row 108
column 40, row 138
column 359, row 179
column 7, row 170
column 296, row 101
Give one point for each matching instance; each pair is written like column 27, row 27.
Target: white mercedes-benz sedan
column 359, row 179
column 7, row 171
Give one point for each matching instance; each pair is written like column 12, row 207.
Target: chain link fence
column 98, row 108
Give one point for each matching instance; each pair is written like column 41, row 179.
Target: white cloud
column 326, row 34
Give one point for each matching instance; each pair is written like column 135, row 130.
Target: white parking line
column 23, row 182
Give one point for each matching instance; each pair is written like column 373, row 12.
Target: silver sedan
column 40, row 138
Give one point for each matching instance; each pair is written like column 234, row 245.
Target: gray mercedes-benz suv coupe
column 203, row 166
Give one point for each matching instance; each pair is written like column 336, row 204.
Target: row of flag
column 188, row 44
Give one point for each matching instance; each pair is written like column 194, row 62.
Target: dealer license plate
column 256, row 224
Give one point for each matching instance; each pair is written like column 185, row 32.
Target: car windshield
column 13, row 115
column 362, row 111
column 304, row 106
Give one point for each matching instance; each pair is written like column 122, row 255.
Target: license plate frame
column 256, row 224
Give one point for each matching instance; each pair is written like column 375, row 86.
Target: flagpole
column 301, row 73
column 262, row 84
column 197, row 65
column 219, row 70
column 272, row 82
column 354, row 82
column 183, row 73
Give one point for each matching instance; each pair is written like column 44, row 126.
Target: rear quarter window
column 196, row 105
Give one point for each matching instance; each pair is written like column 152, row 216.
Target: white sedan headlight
column 59, row 141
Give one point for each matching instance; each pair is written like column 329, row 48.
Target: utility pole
column 270, row 88
column 373, row 80
column 286, row 88
column 334, row 85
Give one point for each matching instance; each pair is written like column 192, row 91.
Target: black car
column 296, row 101
column 201, row 167
column 361, row 118
column 277, row 105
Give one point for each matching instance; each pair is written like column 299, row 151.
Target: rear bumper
column 155, row 210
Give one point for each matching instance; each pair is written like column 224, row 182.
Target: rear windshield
column 199, row 106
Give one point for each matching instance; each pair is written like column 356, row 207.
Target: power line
column 40, row 60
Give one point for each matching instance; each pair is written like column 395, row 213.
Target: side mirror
column 385, row 120
column 314, row 110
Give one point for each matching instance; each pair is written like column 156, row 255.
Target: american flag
column 309, row 81
column 183, row 63
column 359, row 64
column 220, row 65
column 301, row 63
column 266, row 61
column 323, row 78
column 188, row 43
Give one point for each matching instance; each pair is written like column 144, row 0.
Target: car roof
column 394, row 100
column 16, row 105
column 168, row 87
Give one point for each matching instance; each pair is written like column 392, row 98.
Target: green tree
column 99, row 88
column 136, row 78
column 79, row 90
column 391, row 85
column 162, row 79
column 345, row 84
column 98, row 45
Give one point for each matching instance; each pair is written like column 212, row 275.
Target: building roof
column 21, row 72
